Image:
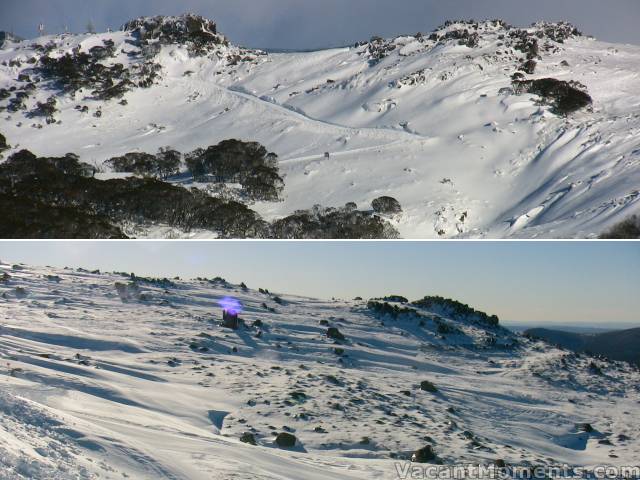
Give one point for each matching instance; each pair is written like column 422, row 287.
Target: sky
column 533, row 283
column 305, row 24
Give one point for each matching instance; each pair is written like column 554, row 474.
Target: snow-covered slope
column 429, row 120
column 144, row 382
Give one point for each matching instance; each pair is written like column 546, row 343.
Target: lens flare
column 231, row 305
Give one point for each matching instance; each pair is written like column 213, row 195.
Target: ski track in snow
column 92, row 386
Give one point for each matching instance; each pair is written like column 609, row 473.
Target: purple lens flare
column 230, row 305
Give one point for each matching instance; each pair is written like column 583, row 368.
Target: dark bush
column 46, row 109
column 395, row 298
column 162, row 165
column 3, row 144
column 70, row 71
column 386, row 205
column 332, row 223
column 24, row 217
column 100, row 52
column 24, row 164
column 60, row 183
column 563, row 97
column 247, row 163
column 169, row 161
column 456, row 308
column 76, row 70
column 446, row 329
column 384, row 308
column 628, row 228
column 17, row 103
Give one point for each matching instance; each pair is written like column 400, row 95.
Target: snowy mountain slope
column 423, row 119
column 144, row 381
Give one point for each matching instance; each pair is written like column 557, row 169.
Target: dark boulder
column 333, row 332
column 586, row 427
column 285, row 440
column 424, row 455
column 197, row 33
column 427, row 386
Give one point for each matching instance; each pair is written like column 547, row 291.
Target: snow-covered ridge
column 449, row 123
column 111, row 374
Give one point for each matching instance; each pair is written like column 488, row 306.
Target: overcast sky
column 299, row 24
column 589, row 283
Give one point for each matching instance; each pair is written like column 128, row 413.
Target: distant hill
column 617, row 345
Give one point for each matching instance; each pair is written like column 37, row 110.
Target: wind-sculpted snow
column 450, row 123
column 151, row 385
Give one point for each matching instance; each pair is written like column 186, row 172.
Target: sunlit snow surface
column 91, row 387
column 462, row 159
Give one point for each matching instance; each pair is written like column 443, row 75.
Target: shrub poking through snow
column 394, row 311
column 563, row 97
column 628, row 228
column 395, row 298
column 72, row 71
column 46, row 109
column 458, row 309
column 386, row 205
column 322, row 222
column 3, row 144
column 162, row 165
column 75, row 205
column 235, row 161
column 63, row 183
